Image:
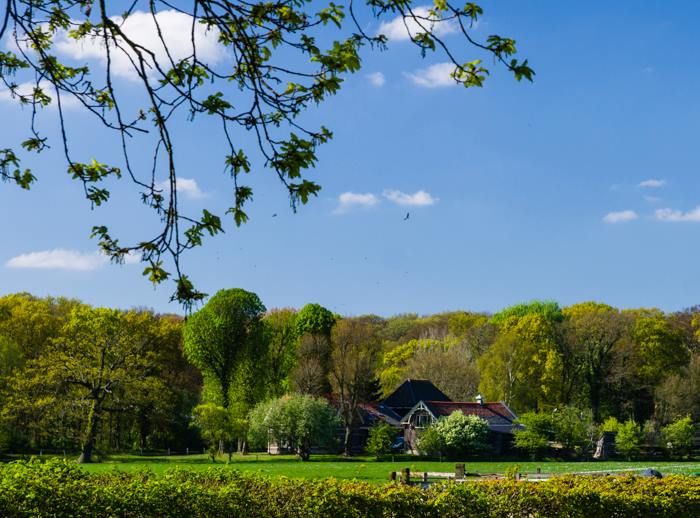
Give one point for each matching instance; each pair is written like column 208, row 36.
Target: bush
column 678, row 436
column 380, row 439
column 611, row 424
column 537, row 432
column 57, row 488
column 430, row 442
column 573, row 428
column 530, row 442
column 297, row 421
column 628, row 439
column 455, row 435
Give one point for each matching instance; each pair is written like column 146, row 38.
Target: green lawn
column 364, row 468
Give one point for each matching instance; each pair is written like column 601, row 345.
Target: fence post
column 459, row 471
column 392, row 476
column 187, row 451
column 425, row 477
column 406, row 475
column 168, row 452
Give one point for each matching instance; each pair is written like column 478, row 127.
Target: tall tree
column 523, row 365
column 99, row 352
column 591, row 332
column 282, row 340
column 313, row 326
column 252, row 66
column 356, row 349
column 226, row 341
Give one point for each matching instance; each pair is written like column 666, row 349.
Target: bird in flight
column 408, row 214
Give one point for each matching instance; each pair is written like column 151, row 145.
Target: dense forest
column 73, row 375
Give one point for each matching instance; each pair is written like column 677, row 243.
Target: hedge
column 59, row 488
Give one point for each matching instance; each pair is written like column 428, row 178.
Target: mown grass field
column 368, row 469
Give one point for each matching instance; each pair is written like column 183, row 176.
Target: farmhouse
column 420, row 403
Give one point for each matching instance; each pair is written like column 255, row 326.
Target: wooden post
column 459, row 471
column 425, row 477
column 406, row 475
column 392, row 476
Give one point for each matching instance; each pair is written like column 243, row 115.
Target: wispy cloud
column 352, row 200
column 186, row 186
column 376, row 79
column 401, row 29
column 652, row 199
column 622, row 216
column 62, row 259
column 652, row 183
column 140, row 27
column 417, row 199
column 677, row 216
column 27, row 91
column 434, row 76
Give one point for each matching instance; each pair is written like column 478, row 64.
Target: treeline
column 76, row 377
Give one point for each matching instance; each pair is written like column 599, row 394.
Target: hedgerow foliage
column 57, row 488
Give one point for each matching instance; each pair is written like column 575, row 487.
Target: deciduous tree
column 250, row 66
column 356, row 348
column 225, row 340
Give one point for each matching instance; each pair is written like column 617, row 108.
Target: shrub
column 531, row 442
column 297, row 421
column 678, row 436
column 537, row 432
column 455, row 435
column 628, row 439
column 611, row 424
column 573, row 428
column 430, row 442
column 57, row 488
column 380, row 439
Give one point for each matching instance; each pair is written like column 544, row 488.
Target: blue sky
column 580, row 186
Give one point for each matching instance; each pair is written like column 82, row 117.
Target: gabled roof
column 379, row 411
column 499, row 417
column 411, row 392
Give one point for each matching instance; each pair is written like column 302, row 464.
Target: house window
column 422, row 419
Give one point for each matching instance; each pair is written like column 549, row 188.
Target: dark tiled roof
column 411, row 392
column 382, row 412
column 498, row 415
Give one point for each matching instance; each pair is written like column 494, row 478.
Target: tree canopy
column 250, row 66
column 223, row 340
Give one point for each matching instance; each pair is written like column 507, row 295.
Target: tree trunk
column 347, row 441
column 90, row 434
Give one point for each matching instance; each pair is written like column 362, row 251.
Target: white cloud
column 652, row 199
column 622, row 216
column 677, row 216
column 417, row 199
column 652, row 183
column 402, row 29
column 27, row 90
column 435, row 76
column 376, row 78
column 61, row 259
column 186, row 186
column 140, row 27
column 352, row 200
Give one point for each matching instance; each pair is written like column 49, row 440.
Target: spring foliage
column 57, row 488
